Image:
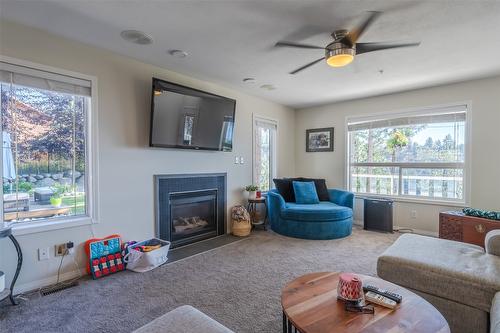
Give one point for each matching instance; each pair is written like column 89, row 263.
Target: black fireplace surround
column 190, row 207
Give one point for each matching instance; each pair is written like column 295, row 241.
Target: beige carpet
column 238, row 285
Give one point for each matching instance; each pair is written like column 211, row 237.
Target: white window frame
column 273, row 144
column 91, row 156
column 413, row 112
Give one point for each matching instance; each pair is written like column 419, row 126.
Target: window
column 418, row 155
column 45, row 160
column 264, row 161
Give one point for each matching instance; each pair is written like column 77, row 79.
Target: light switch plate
column 242, row 161
column 237, row 160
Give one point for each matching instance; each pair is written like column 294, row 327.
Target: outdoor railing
column 399, row 179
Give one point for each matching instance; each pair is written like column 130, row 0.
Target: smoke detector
column 136, row 37
column 178, row 53
column 268, row 87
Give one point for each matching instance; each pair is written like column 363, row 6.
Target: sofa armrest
column 275, row 201
column 492, row 242
column 341, row 197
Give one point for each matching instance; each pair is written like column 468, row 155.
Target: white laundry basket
column 138, row 261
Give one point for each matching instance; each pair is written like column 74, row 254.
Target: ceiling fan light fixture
column 340, row 57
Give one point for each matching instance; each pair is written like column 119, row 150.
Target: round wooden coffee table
column 310, row 305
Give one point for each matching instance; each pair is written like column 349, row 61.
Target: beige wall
column 484, row 96
column 126, row 163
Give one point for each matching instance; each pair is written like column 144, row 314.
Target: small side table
column 252, row 210
column 4, row 233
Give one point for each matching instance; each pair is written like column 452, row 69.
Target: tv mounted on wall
column 183, row 117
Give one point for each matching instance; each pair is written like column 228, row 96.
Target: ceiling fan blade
column 301, row 46
column 370, row 47
column 353, row 35
column 306, row 66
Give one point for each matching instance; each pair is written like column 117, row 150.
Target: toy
column 125, row 247
column 104, row 256
column 146, row 248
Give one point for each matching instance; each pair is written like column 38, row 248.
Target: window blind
column 266, row 124
column 33, row 78
column 442, row 115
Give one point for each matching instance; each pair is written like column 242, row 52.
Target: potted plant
column 56, row 197
column 252, row 191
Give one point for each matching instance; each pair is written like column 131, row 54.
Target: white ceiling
column 230, row 40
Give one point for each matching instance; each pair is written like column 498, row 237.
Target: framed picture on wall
column 319, row 139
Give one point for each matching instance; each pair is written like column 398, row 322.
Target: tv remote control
column 380, row 300
column 395, row 297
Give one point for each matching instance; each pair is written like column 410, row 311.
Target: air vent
column 45, row 291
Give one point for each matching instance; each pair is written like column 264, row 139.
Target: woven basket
column 240, row 218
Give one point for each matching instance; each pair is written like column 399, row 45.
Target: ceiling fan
column 344, row 47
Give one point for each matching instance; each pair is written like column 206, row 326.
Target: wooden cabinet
column 468, row 229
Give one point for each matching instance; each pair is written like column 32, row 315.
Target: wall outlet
column 242, row 160
column 413, row 214
column 63, row 248
column 60, row 249
column 43, row 253
column 237, row 160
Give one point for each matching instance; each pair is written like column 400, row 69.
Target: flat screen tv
column 183, row 117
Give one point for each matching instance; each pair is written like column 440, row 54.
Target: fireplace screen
column 193, row 215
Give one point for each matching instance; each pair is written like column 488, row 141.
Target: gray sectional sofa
column 459, row 279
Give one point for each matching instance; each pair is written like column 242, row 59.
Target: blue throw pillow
column 305, row 193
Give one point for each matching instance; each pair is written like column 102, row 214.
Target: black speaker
column 378, row 215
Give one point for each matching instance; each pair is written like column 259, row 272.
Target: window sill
column 413, row 200
column 27, row 228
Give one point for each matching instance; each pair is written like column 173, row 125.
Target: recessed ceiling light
column 249, row 80
column 178, row 53
column 136, row 37
column 268, row 87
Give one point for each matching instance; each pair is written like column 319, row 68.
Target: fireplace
column 190, row 208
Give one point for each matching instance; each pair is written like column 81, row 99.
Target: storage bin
column 138, row 261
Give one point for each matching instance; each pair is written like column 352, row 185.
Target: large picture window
column 417, row 155
column 44, row 153
column 264, row 160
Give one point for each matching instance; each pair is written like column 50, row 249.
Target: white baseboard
column 415, row 231
column 37, row 284
column 419, row 231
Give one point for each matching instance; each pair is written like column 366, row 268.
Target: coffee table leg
column 287, row 325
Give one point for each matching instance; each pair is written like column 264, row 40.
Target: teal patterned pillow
column 487, row 214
